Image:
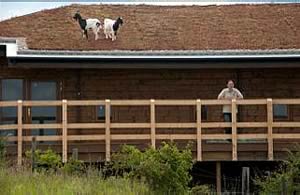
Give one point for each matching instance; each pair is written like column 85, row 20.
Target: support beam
column 218, row 178
column 199, row 132
column 20, row 132
column 64, row 131
column 107, row 130
column 152, row 121
column 270, row 128
column 234, row 129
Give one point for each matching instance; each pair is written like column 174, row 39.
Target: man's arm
column 239, row 94
column 221, row 94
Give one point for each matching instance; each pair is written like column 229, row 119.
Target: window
column 280, row 111
column 101, row 112
column 11, row 90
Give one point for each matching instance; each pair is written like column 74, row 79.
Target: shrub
column 165, row 170
column 48, row 159
column 74, row 166
column 287, row 176
column 201, row 190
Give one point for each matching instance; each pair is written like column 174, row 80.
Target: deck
column 266, row 145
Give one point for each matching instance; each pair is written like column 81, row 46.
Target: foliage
column 287, row 176
column 2, row 149
column 165, row 170
column 45, row 160
column 201, row 190
column 74, row 166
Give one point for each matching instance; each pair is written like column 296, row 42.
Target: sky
column 9, row 9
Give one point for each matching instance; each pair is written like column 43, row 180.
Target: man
column 229, row 93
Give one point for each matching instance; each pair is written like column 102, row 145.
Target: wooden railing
column 153, row 125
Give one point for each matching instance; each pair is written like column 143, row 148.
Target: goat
column 86, row 24
column 111, row 27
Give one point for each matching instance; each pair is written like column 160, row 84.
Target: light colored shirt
column 229, row 95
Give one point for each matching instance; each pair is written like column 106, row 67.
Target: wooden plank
column 286, row 101
column 218, row 178
column 86, row 137
column 216, row 124
column 251, row 124
column 176, row 125
column 199, row 132
column 107, row 130
column 286, row 124
column 130, row 137
column 86, row 125
column 130, row 125
column 8, row 127
column 215, row 136
column 252, row 136
column 286, row 136
column 64, row 131
column 215, row 102
column 270, row 128
column 152, row 121
column 42, row 103
column 175, row 102
column 42, row 126
column 234, row 129
column 43, row 138
column 251, row 102
column 86, row 102
column 130, row 103
column 20, row 131
column 8, row 103
column 176, row 136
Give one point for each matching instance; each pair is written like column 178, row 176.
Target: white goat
column 86, row 24
column 111, row 27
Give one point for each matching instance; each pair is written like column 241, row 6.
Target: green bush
column 201, row 190
column 74, row 166
column 2, row 149
column 165, row 170
column 288, row 175
column 48, row 159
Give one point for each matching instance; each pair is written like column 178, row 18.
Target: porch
column 268, row 143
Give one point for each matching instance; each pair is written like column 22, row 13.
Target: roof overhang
column 19, row 56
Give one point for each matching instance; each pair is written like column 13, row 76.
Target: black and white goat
column 86, row 24
column 111, row 27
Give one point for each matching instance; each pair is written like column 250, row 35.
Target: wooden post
column 20, row 132
column 152, row 121
column 199, row 133
column 218, row 178
column 75, row 154
column 245, row 180
column 234, row 129
column 107, row 130
column 270, row 128
column 33, row 148
column 64, row 131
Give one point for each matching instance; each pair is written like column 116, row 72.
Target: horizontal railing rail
column 199, row 125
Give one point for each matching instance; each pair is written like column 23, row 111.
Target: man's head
column 230, row 84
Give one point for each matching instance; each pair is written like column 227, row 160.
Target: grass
column 23, row 182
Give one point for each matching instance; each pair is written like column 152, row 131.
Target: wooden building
column 158, row 81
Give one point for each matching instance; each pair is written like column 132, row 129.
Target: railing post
column 234, row 129
column 20, row 131
column 64, row 131
column 107, row 130
column 270, row 128
column 199, row 133
column 152, row 121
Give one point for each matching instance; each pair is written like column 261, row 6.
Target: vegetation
column 161, row 171
column 286, row 180
column 165, row 170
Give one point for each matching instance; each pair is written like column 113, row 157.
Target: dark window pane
column 101, row 112
column 280, row 111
